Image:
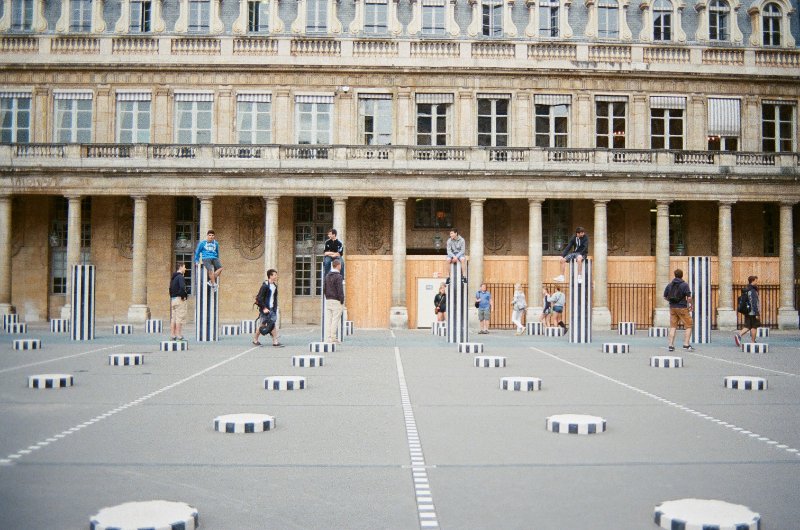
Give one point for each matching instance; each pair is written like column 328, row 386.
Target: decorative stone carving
column 373, row 234
column 250, row 228
column 616, row 229
column 123, row 227
column 495, row 220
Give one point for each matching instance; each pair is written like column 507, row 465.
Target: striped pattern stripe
column 17, row 327
column 745, row 382
column 229, row 330
column 10, row 319
column 349, row 327
column 206, row 309
column 123, row 329
column 191, row 524
column 755, row 347
column 700, row 284
column 308, row 361
column 762, row 332
column 666, row 361
column 82, row 307
column 575, row 424
column 555, row 331
column 321, row 347
column 705, row 514
column 59, row 325
column 521, row 384
column 534, row 328
column 50, row 381
column 657, row 331
column 27, row 344
column 126, row 359
column 153, row 325
column 580, row 299
column 248, row 327
column 174, row 345
column 244, row 423
column 613, row 347
column 458, row 304
column 470, row 347
column 626, row 328
column 284, row 382
column 487, row 361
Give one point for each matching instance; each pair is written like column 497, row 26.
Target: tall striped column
column 323, row 303
column 700, row 284
column 580, row 303
column 206, row 308
column 458, row 304
column 82, row 306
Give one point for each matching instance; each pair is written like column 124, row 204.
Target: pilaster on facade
column 215, row 25
column 592, row 22
column 703, row 35
column 697, row 120
column 601, row 315
column 332, row 22
column 274, row 27
column 5, row 254
column 475, row 26
column 661, row 311
column 535, row 302
column 564, row 28
column 38, row 22
column 393, row 25
column 398, row 313
column 646, row 34
column 756, row 11
column 98, row 24
column 271, row 205
column 156, row 17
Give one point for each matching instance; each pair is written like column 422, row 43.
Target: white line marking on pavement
column 422, row 488
column 745, row 364
column 391, row 332
column 20, row 367
column 20, row 453
column 706, row 417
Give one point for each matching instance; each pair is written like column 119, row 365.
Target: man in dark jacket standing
column 267, row 302
column 333, row 290
column 751, row 320
column 177, row 303
column 576, row 250
column 679, row 296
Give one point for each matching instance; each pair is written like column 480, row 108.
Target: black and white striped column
column 580, row 300
column 82, row 307
column 206, row 310
column 458, row 304
column 700, row 284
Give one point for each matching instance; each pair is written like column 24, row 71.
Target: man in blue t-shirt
column 485, row 305
column 207, row 254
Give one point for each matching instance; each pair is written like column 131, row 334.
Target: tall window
column 777, row 126
column 493, row 121
column 718, row 11
column 666, row 122
column 133, row 118
column 433, row 112
column 724, row 124
column 662, row 20
column 254, row 118
column 492, row 13
column 73, row 118
column 15, row 117
column 313, row 217
column 375, row 118
column 141, row 12
column 316, row 16
column 608, row 19
column 187, row 232
column 375, row 17
column 433, row 13
column 193, row 118
column 80, row 17
column 548, row 18
column 771, row 20
column 555, row 226
column 58, row 242
column 22, row 15
column 552, row 120
column 199, row 16
column 314, row 118
column 433, row 213
column 611, row 121
column 257, row 17
column 771, row 217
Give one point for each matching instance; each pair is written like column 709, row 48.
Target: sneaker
column 210, row 284
column 737, row 339
column 559, row 278
column 173, row 338
column 580, row 279
column 447, row 281
column 180, row 339
column 688, row 347
column 671, row 348
column 464, row 280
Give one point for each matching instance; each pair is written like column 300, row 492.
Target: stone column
column 601, row 316
column 5, row 254
column 340, row 224
column 787, row 314
column 475, row 262
column 270, row 234
column 696, row 126
column 138, row 311
column 661, row 313
column 206, row 216
column 726, row 316
column 465, row 124
column 535, row 302
column 521, row 132
column 398, row 314
column 73, row 245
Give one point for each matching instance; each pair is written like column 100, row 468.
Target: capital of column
column 73, row 197
column 477, row 201
column 601, row 202
column 664, row 202
column 399, row 199
column 532, row 202
column 271, row 199
column 339, row 199
column 139, row 198
column 726, row 203
column 205, row 198
column 787, row 204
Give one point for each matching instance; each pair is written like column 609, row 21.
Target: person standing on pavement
column 557, row 301
column 751, row 320
column 177, row 303
column 333, row 290
column 679, row 296
column 440, row 303
column 267, row 302
column 484, row 303
column 518, row 305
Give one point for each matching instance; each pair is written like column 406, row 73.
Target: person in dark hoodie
column 751, row 321
column 576, row 250
column 679, row 296
column 177, row 303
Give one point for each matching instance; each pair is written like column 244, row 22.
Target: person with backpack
column 750, row 306
column 679, row 296
column 267, row 302
column 177, row 303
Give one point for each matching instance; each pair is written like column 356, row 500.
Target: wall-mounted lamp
column 344, row 89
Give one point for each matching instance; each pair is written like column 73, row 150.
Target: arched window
column 718, row 11
column 662, row 20
column 608, row 19
column 771, row 19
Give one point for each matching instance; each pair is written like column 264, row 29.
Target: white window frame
column 316, row 107
column 492, row 18
column 64, row 23
column 611, row 136
column 14, row 129
column 241, row 26
column 80, row 17
column 617, row 13
column 724, row 124
column 779, row 140
column 662, row 20
column 451, row 28
column 719, row 15
column 141, row 22
column 124, row 22
column 647, row 34
column 436, row 111
column 251, row 109
column 215, row 25
column 77, row 108
column 22, row 13
column 316, row 17
column 553, row 114
column 434, row 16
column 674, row 109
column 496, row 139
column 549, row 9
column 756, row 12
column 195, row 105
column 380, row 108
column 535, row 8
column 136, row 102
column 359, row 25
column 332, row 24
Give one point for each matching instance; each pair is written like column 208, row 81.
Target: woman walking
column 519, row 305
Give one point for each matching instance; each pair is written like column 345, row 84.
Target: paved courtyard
column 340, row 456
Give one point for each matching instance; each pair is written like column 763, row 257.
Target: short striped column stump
column 308, row 361
column 745, row 382
column 146, row 514
column 442, row 331
column 435, row 329
column 626, row 328
column 50, row 381
column 10, row 319
column 229, row 330
column 244, row 423
column 470, row 347
column 59, row 325
column 153, row 325
column 284, row 382
column 555, row 331
column 27, row 344
column 520, row 384
column 174, row 345
column 755, row 347
column 575, row 424
column 657, row 332
column 666, row 361
column 348, row 327
column 762, row 332
column 615, row 347
column 248, row 326
column 126, row 359
column 123, row 329
column 16, row 328
column 534, row 328
column 489, row 361
column 321, row 347
column 704, row 513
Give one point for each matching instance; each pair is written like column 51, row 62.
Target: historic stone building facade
column 128, row 128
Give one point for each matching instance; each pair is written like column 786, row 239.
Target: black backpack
column 743, row 302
